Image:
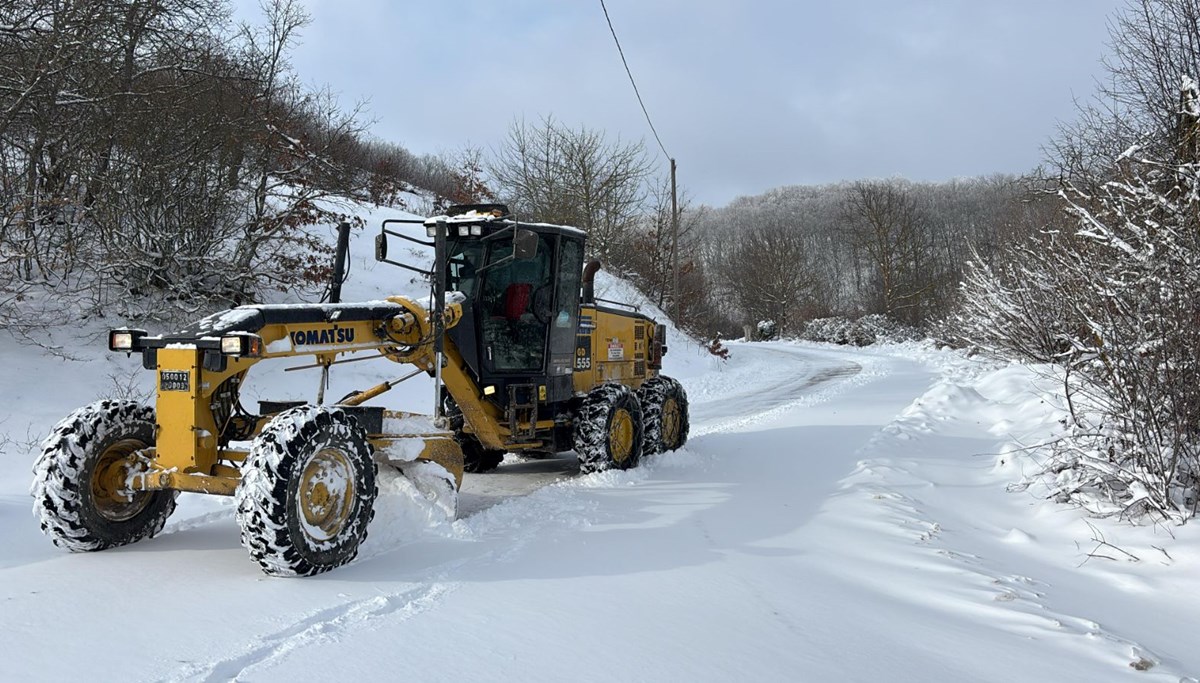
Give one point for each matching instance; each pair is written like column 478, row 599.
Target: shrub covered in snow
column 766, row 329
column 838, row 330
column 887, row 329
column 1113, row 299
column 869, row 329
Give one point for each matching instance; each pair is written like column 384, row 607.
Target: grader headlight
column 244, row 345
column 124, row 339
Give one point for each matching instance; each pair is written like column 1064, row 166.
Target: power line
column 631, row 81
column 674, row 190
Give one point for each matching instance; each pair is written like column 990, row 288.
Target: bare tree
column 154, row 160
column 1110, row 293
column 467, row 181
column 887, row 225
column 1112, row 297
column 551, row 173
column 646, row 252
column 766, row 269
column 1153, row 45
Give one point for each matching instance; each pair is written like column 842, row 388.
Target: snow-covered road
column 837, row 515
column 775, row 377
column 766, row 379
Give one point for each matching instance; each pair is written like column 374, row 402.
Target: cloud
column 747, row 96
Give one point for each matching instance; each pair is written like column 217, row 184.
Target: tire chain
column 62, row 476
column 263, row 501
column 591, row 427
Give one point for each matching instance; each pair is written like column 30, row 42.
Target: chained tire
column 307, row 492
column 608, row 429
column 664, row 415
column 79, row 486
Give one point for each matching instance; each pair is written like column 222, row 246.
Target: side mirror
column 381, row 247
column 525, row 243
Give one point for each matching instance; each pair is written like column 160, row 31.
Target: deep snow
column 839, row 514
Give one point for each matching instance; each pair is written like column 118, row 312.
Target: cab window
column 516, row 307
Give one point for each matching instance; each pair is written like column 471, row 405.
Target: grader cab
column 533, row 342
column 523, row 356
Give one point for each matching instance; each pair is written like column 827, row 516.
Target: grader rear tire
column 608, row 429
column 665, row 415
column 307, row 492
column 79, row 479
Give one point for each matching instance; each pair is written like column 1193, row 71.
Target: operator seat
column 516, row 300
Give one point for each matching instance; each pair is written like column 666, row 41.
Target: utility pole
column 674, row 248
column 1188, row 124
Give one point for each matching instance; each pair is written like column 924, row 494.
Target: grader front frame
column 303, row 475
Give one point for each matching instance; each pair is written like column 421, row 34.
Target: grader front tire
column 79, row 486
column 608, row 429
column 307, row 492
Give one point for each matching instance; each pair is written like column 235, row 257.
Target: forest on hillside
column 157, row 158
column 889, row 246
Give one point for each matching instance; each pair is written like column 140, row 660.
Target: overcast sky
column 747, row 96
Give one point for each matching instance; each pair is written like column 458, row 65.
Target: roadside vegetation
column 158, row 160
column 1109, row 291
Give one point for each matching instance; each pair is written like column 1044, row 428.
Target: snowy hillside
column 838, row 515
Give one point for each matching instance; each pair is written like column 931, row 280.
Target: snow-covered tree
column 1113, row 296
column 155, row 159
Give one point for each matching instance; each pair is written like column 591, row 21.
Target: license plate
column 174, row 380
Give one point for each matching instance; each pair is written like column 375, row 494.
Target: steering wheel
column 542, row 299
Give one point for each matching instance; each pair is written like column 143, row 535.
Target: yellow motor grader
column 524, row 357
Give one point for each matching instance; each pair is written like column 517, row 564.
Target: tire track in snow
column 173, row 527
column 501, row 533
column 321, row 626
column 1021, row 597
